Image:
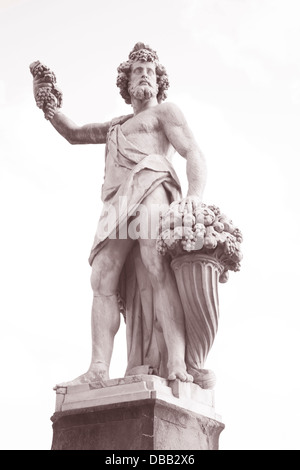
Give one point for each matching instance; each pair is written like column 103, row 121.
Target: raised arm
column 180, row 136
column 87, row 134
column 49, row 98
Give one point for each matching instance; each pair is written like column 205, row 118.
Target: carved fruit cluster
column 49, row 96
column 204, row 229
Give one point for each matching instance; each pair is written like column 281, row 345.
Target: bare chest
column 146, row 132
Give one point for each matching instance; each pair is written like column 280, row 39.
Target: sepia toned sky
column 234, row 71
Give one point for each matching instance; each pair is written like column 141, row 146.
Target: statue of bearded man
column 128, row 273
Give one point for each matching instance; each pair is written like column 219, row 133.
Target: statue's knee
column 95, row 281
column 154, row 263
column 104, row 280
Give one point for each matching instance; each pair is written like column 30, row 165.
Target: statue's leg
column 106, row 269
column 168, row 308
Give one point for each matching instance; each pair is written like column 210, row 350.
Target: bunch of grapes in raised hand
column 47, row 95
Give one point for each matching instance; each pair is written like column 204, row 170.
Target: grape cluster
column 41, row 71
column 46, row 101
column 189, row 240
column 48, row 98
column 44, row 97
column 229, row 246
column 238, row 235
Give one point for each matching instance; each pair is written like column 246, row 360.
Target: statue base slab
column 142, row 412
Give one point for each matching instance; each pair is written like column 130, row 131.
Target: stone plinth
column 136, row 413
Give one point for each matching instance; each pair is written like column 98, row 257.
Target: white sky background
column 234, row 70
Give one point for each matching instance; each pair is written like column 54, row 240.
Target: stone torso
column 145, row 131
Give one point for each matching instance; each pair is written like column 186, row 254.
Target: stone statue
column 131, row 263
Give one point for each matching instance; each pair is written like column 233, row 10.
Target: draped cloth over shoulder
column 130, row 176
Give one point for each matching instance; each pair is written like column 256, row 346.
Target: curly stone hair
column 142, row 53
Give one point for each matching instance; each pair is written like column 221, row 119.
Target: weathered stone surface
column 149, row 424
column 135, row 388
column 128, row 273
column 171, row 307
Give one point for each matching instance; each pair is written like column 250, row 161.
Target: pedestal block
column 136, row 413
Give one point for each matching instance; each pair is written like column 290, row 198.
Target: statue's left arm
column 181, row 138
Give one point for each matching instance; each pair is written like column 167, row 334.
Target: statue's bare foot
column 97, row 372
column 178, row 371
column 205, row 378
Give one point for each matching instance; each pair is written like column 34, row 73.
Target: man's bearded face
column 142, row 83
